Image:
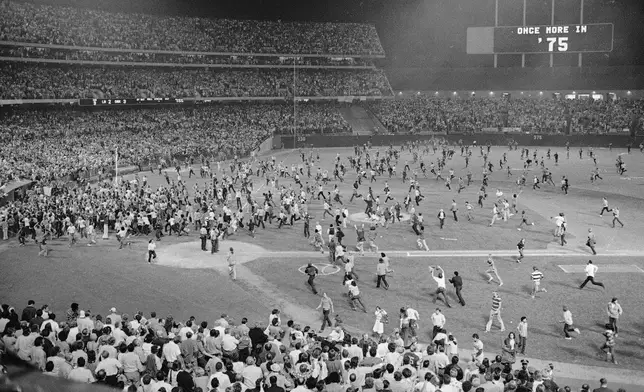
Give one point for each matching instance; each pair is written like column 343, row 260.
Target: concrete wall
column 265, row 146
column 498, row 139
column 513, row 78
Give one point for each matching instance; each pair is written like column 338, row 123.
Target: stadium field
column 187, row 281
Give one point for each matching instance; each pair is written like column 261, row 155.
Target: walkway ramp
column 361, row 120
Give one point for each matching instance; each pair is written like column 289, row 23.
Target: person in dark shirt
column 29, row 312
column 185, row 381
column 457, row 281
column 273, row 387
column 257, row 337
column 603, row 386
column 454, row 365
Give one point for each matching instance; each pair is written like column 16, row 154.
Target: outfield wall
column 497, row 139
column 265, row 146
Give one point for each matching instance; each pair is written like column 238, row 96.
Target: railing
column 200, row 100
column 187, row 53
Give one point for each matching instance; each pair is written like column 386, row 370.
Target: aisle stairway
column 361, row 120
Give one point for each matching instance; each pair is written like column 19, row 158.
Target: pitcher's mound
column 362, row 217
column 190, row 255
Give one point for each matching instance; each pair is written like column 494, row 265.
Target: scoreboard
column 572, row 38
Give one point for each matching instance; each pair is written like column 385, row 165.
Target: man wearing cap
column 116, row 319
column 275, row 371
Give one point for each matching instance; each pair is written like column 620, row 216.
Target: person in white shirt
column 495, row 214
column 91, row 234
column 152, row 254
column 55, row 328
column 222, row 378
column 185, row 329
column 120, row 236
column 71, row 230
column 251, row 373
column 354, row 295
column 604, row 206
column 614, row 310
column 440, row 281
column 591, row 270
column 171, row 350
column 568, row 324
column 84, row 322
column 81, row 373
column 337, row 335
column 232, row 268
column 229, row 343
column 426, row 385
column 438, row 321
column 111, row 366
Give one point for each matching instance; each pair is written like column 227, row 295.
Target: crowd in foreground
column 50, row 81
column 46, row 145
column 422, row 112
column 25, row 22
column 141, row 353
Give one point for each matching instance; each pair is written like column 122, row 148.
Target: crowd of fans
column 25, row 22
column 146, row 353
column 173, row 58
column 425, row 113
column 54, row 81
column 44, row 145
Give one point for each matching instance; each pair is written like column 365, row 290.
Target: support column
column 496, row 24
column 523, row 54
column 581, row 21
column 552, row 23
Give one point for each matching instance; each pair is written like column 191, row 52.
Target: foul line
column 452, row 253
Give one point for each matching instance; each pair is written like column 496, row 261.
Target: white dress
column 379, row 326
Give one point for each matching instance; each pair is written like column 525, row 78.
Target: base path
column 189, row 254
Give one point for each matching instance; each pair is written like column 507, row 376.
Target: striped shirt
column 496, row 303
column 536, row 276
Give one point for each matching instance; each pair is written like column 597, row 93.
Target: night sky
column 414, row 33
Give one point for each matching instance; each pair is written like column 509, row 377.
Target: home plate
column 449, row 239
